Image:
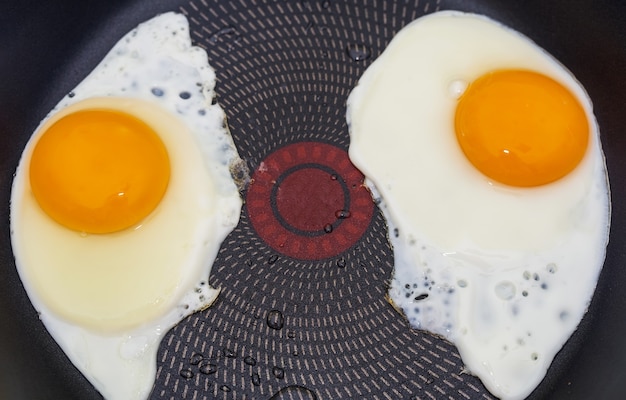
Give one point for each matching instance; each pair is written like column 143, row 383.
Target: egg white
column 505, row 273
column 108, row 299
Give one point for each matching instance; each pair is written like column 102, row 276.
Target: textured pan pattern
column 284, row 328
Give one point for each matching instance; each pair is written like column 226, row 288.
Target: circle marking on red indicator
column 307, row 201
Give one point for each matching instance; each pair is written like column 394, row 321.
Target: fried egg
column 485, row 155
column 120, row 202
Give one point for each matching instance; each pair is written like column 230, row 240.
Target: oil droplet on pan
column 278, row 372
column 358, row 52
column 275, row 319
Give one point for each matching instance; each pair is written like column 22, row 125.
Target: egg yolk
column 99, row 171
column 521, row 128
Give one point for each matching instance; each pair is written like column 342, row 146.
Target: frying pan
column 284, row 71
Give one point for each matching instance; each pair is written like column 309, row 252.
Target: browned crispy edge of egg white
column 240, row 173
column 397, row 309
column 204, row 307
column 238, row 167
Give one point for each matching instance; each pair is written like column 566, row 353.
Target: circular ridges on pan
column 292, row 323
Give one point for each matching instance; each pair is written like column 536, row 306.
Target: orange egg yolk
column 99, row 171
column 521, row 128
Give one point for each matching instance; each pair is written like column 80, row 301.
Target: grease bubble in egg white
column 107, row 291
column 496, row 248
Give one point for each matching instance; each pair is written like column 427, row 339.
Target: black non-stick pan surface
column 291, row 324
